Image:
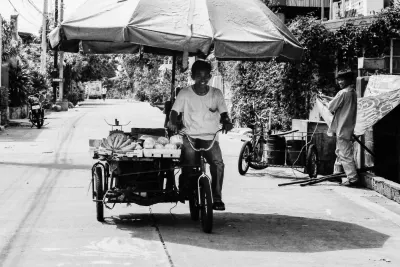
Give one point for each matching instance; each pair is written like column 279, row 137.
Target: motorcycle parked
column 36, row 112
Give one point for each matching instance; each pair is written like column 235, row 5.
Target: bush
column 76, row 95
column 20, row 86
column 141, row 95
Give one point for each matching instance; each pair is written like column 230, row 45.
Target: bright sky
column 30, row 20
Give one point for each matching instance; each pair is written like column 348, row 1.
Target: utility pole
column 44, row 43
column 322, row 11
column 61, row 66
column 55, row 51
column 1, row 45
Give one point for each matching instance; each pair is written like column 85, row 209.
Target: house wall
column 383, row 139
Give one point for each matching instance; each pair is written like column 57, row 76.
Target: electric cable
column 37, row 9
column 16, row 10
column 27, row 8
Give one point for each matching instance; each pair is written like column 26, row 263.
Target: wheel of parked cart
column 98, row 180
column 312, row 161
column 243, row 162
column 206, row 205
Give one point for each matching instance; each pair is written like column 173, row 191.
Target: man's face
column 201, row 77
column 343, row 83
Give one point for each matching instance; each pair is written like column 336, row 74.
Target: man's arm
column 336, row 102
column 175, row 110
column 173, row 121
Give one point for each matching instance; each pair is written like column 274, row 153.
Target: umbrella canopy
column 236, row 30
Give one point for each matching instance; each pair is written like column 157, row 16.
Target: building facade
column 289, row 9
column 356, row 8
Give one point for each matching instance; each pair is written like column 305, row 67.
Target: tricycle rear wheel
column 206, row 205
column 98, row 174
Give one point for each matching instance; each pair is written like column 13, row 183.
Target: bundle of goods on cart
column 119, row 144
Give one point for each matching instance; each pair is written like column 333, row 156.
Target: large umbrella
column 234, row 29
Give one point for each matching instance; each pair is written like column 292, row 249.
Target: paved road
column 47, row 217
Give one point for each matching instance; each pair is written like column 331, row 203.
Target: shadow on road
column 257, row 232
column 50, row 166
column 101, row 103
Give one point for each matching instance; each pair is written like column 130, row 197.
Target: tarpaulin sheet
column 243, row 30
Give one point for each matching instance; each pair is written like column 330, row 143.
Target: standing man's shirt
column 201, row 114
column 344, row 107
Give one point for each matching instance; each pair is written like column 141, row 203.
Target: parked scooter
column 36, row 112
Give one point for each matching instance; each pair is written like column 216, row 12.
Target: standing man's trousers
column 345, row 159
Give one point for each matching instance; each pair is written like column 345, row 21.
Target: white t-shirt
column 201, row 114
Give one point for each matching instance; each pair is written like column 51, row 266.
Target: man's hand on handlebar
column 226, row 123
column 172, row 127
column 226, row 127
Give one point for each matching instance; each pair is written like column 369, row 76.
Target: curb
column 385, row 187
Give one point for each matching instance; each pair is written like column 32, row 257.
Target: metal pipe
column 391, row 56
column 1, row 44
column 55, row 50
column 61, row 64
column 44, row 41
column 173, row 78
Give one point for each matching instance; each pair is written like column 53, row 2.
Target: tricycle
column 291, row 149
column 147, row 176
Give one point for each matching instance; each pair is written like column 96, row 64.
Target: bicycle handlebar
column 200, row 149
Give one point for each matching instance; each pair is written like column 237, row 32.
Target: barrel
column 276, row 150
column 293, row 149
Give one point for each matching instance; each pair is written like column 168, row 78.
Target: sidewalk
column 26, row 123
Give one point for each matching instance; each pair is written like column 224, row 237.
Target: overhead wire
column 28, row 10
column 37, row 9
column 16, row 10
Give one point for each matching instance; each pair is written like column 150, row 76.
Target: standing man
column 344, row 108
column 203, row 109
column 104, row 93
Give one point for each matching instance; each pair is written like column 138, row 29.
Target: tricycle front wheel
column 98, row 175
column 194, row 206
column 206, row 205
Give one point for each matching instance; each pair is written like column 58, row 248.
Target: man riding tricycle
column 141, row 170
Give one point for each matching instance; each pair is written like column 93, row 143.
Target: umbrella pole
column 173, row 78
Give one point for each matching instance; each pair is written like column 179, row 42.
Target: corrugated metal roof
column 300, row 3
